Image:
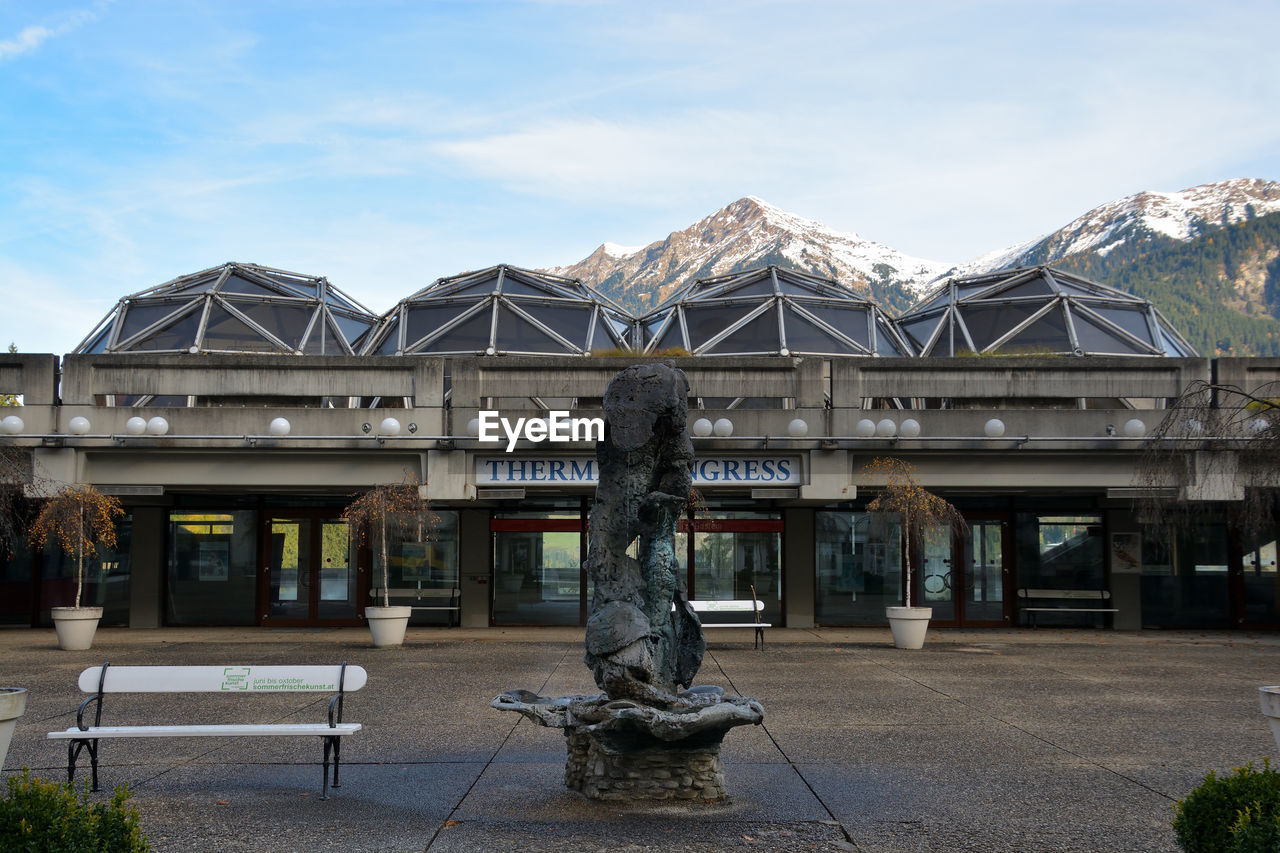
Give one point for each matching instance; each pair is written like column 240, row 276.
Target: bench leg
column 331, row 745
column 73, row 753
column 759, row 641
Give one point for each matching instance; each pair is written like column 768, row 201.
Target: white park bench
column 1065, row 601
column 227, row 680
column 417, row 598
column 746, row 605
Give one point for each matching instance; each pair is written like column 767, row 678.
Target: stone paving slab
column 998, row 740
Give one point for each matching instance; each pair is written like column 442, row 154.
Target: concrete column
column 798, row 567
column 147, row 567
column 476, row 573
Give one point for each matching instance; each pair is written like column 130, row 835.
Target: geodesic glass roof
column 771, row 311
column 235, row 308
column 1038, row 311
column 502, row 310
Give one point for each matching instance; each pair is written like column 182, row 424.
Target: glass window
column 15, row 586
column 859, row 568
column 236, row 284
column 1261, row 582
column 1132, row 320
column 570, row 322
column 427, row 560
column 1060, row 551
column 1094, row 338
column 537, row 577
column 353, row 329
column 516, row 334
column 805, row 336
column 225, row 331
column 139, row 316
column 1049, row 333
column 988, row 324
column 734, row 552
column 424, row 320
column 471, row 335
column 177, row 335
column 705, row 322
column 106, row 579
column 760, row 334
column 212, row 568
column 1184, row 578
column 287, row 322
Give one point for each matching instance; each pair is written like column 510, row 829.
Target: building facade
column 235, row 480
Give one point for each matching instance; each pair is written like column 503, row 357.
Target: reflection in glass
column 212, row 568
column 859, row 568
column 537, row 577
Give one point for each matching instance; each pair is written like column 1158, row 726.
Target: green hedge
column 51, row 817
column 1239, row 813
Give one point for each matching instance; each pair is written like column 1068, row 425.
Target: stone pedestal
column 646, row 774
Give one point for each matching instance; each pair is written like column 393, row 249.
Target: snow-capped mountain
column 750, row 233
column 1180, row 216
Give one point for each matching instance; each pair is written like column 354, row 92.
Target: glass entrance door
column 310, row 571
column 963, row 578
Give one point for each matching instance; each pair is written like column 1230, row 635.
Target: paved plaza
column 984, row 740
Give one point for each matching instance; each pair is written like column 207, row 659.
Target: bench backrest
column 222, row 679
column 708, row 606
column 1093, row 594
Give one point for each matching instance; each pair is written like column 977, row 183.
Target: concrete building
column 234, row 469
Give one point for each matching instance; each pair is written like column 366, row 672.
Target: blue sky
column 386, row 144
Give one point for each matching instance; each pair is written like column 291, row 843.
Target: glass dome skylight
column 502, row 310
column 771, row 311
column 1038, row 311
column 235, row 308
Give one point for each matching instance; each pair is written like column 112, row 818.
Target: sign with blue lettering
column 584, row 471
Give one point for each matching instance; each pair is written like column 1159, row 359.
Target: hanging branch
column 384, row 511
column 917, row 506
column 15, row 474
column 77, row 519
column 1216, row 442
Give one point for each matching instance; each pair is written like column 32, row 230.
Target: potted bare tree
column 377, row 516
column 917, row 508
column 78, row 519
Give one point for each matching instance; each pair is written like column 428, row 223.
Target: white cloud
column 31, row 38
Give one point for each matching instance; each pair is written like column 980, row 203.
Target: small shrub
column 1223, row 812
column 39, row 816
column 1253, row 834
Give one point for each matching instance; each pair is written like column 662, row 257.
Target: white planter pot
column 388, row 624
column 13, row 701
column 908, row 625
column 1270, row 699
column 75, row 626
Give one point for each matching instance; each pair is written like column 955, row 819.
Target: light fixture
column 1134, row 427
column 784, row 352
column 910, row 428
column 389, row 426
column 135, row 425
column 886, row 428
column 1194, row 427
column 365, row 428
column 157, row 426
column 865, row 428
column 798, row 428
column 1111, row 429
column 723, row 427
column 79, row 426
column 193, row 349
column 489, row 351
column 1260, row 425
column 473, row 426
column 994, row 428
column 279, row 426
column 412, row 428
column 702, row 427
column 12, row 425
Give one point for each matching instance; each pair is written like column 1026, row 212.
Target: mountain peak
column 747, row 233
